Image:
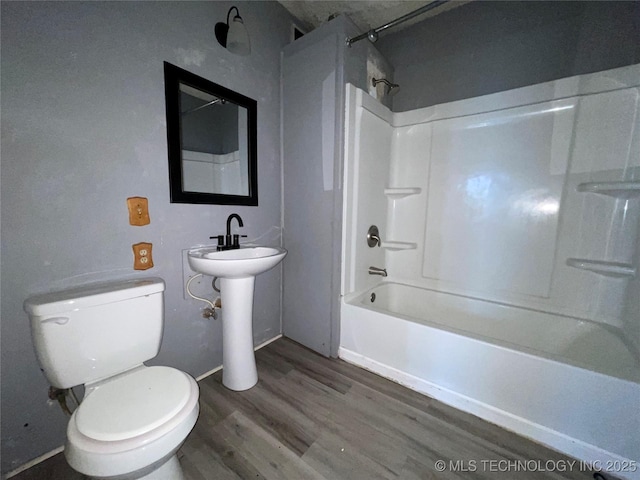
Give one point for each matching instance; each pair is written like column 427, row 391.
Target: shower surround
column 509, row 228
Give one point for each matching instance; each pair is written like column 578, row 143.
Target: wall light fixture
column 233, row 36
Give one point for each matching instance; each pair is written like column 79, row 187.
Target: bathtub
column 564, row 382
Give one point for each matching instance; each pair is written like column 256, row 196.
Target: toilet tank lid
column 91, row 295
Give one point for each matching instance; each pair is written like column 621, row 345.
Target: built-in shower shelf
column 401, row 192
column 609, row 269
column 394, row 246
column 613, row 189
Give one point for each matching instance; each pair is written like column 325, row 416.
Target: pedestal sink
column 237, row 270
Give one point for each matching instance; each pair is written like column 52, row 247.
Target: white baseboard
column 33, row 462
column 572, row 447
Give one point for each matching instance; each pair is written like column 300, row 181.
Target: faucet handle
column 236, row 240
column 373, row 236
column 220, row 239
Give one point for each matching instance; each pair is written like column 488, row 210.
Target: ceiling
column 366, row 14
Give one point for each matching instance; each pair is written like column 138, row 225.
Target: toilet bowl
column 130, row 426
column 133, row 418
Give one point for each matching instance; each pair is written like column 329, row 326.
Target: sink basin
column 240, row 263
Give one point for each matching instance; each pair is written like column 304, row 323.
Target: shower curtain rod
column 372, row 35
column 212, row 102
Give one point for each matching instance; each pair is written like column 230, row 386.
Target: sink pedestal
column 238, row 358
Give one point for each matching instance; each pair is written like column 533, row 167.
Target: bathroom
column 84, row 128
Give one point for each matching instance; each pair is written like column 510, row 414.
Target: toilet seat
column 106, row 458
column 133, row 405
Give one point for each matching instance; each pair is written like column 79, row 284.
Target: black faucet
column 228, row 241
column 231, row 217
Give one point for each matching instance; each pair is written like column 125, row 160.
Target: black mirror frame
column 173, row 77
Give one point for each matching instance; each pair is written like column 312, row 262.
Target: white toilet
column 133, row 418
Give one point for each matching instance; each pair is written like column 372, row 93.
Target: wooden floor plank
column 340, row 420
column 285, row 424
column 271, row 458
column 310, row 417
column 303, row 362
column 359, row 375
column 335, row 458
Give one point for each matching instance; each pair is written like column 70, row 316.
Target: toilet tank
column 92, row 332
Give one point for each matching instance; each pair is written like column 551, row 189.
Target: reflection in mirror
column 211, row 132
column 214, row 144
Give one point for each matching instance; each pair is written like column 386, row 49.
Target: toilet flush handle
column 58, row 320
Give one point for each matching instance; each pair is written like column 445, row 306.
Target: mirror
column 211, row 134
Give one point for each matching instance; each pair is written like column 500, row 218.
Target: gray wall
column 83, row 128
column 315, row 69
column 485, row 47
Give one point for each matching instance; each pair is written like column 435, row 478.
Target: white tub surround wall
column 519, row 175
column 368, row 135
column 512, row 221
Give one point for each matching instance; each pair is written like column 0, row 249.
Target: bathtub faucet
column 378, row 271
